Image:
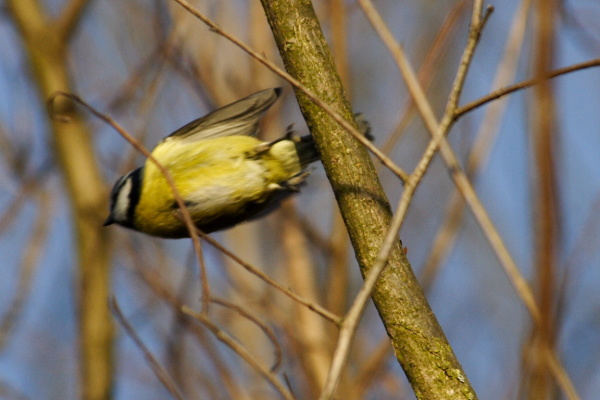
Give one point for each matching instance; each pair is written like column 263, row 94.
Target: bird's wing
column 239, row 118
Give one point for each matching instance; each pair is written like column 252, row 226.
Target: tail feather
column 305, row 145
column 306, row 150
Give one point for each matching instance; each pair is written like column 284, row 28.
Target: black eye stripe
column 134, row 192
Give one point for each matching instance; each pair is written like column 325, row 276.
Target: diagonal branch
column 159, row 370
column 524, row 85
column 70, row 19
column 240, row 350
column 418, row 340
column 74, row 152
column 438, row 133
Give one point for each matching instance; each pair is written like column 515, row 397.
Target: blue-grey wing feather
column 239, row 118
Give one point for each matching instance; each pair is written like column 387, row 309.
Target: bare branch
column 159, row 371
column 524, row 85
column 26, row 271
column 438, row 133
column 489, row 127
column 255, row 271
column 240, row 350
column 256, row 321
column 70, row 18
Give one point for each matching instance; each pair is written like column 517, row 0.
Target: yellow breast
column 220, row 180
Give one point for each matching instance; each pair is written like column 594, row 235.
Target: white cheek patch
column 122, row 201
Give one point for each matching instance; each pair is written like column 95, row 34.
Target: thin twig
column 70, row 18
column 255, row 271
column 487, row 226
column 478, row 22
column 446, row 234
column 438, row 133
column 427, row 71
column 350, row 322
column 153, row 280
column 561, row 376
column 27, row 267
column 28, row 187
column 240, row 350
column 159, row 371
column 523, row 85
column 262, row 326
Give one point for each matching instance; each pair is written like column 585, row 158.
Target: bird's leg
column 291, row 185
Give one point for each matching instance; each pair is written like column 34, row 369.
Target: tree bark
column 418, row 340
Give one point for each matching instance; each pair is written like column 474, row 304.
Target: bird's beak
column 109, row 221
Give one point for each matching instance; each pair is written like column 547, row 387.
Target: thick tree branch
column 418, row 340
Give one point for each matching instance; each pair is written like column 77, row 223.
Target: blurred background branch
column 46, row 45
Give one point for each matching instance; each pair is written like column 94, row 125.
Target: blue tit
column 223, row 173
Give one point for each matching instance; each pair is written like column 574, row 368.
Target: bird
column 224, row 174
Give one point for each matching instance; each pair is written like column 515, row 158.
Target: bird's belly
column 230, row 193
column 217, row 197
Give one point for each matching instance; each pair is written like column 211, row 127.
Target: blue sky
column 475, row 303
